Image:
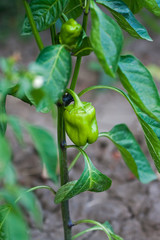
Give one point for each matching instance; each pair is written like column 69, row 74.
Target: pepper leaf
column 141, row 88
column 90, row 180
column 15, row 124
column 125, row 18
column 56, row 60
column 45, row 13
column 153, row 6
column 74, row 9
column 151, row 130
column 84, row 49
column 131, row 152
column 46, row 148
column 15, row 195
column 134, row 5
column 12, row 224
column 106, row 39
column 5, row 155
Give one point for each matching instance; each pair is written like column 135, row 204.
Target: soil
column 132, row 208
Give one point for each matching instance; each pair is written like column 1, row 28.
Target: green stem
column 76, row 158
column 77, row 101
column 111, row 88
column 36, row 188
column 63, row 171
column 79, row 59
column 3, row 122
column 94, row 223
column 53, row 34
column 85, row 18
column 64, row 18
column 33, row 25
column 80, row 153
column 81, row 233
column 76, row 73
column 106, row 87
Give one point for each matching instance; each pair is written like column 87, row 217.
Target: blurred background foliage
column 11, row 17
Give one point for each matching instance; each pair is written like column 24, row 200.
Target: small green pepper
column 80, row 122
column 70, row 33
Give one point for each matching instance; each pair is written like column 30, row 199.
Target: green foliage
column 151, row 130
column 105, row 227
column 126, row 19
column 5, row 155
column 108, row 51
column 131, row 152
column 46, row 148
column 134, row 76
column 43, row 84
column 135, row 5
column 74, row 8
column 56, row 61
column 153, row 6
column 45, row 13
column 84, row 48
column 90, row 180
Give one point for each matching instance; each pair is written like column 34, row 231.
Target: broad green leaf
column 135, row 5
column 139, row 84
column 3, row 212
column 151, row 130
column 106, row 39
column 84, row 49
column 12, row 224
column 5, row 155
column 153, row 6
column 45, row 13
column 131, row 152
column 74, row 9
column 90, row 180
column 57, row 63
column 125, row 18
column 46, row 148
column 15, row 227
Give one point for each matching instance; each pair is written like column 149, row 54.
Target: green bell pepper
column 80, row 122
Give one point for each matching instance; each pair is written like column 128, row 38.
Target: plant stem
column 53, row 33
column 85, row 17
column 64, row 18
column 101, row 226
column 63, row 171
column 79, row 59
column 76, row 72
column 33, row 25
column 76, row 158
column 77, row 101
column 3, row 123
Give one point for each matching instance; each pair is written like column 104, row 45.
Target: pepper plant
column 48, row 83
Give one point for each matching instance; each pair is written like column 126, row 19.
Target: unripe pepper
column 70, row 33
column 80, row 122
